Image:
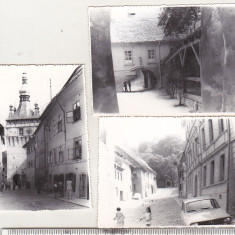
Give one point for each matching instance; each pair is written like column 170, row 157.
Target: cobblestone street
column 150, row 102
column 165, row 207
column 29, row 200
column 165, row 212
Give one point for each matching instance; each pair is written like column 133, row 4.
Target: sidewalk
column 78, row 201
column 74, row 200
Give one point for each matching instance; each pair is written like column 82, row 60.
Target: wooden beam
column 183, row 47
column 184, row 55
column 181, row 59
column 197, row 56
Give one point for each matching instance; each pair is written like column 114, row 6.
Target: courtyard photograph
column 168, row 61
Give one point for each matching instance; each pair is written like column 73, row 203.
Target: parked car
column 203, row 211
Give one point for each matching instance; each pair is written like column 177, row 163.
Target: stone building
column 209, row 160
column 20, row 126
column 59, row 146
column 123, row 175
column 138, row 45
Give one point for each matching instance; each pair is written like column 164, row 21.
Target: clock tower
column 20, row 126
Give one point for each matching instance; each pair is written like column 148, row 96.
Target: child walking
column 147, row 216
column 119, row 218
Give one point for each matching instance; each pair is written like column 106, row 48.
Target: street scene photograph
column 166, row 172
column 43, row 138
column 153, row 60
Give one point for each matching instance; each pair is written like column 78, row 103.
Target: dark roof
column 29, row 142
column 77, row 72
column 141, row 27
column 134, row 158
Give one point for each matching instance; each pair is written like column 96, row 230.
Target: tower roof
column 24, row 110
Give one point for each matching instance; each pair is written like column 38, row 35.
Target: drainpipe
column 229, row 160
column 159, row 55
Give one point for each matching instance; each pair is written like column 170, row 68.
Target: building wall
column 55, row 154
column 139, row 50
column 211, row 163
column 122, row 182
column 16, row 155
column 30, row 168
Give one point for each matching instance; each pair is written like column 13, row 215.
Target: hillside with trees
column 163, row 157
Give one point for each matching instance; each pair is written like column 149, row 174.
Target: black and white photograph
column 155, row 60
column 166, row 172
column 43, row 147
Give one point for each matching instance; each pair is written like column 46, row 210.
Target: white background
column 56, row 32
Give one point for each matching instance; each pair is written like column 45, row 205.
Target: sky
column 38, row 83
column 131, row 131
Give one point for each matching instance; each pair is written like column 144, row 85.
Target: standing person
column 129, row 85
column 61, row 188
column 119, row 218
column 147, row 217
column 55, row 187
column 69, row 188
column 125, row 86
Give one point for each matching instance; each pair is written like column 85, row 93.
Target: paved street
column 165, row 212
column 165, row 207
column 29, row 200
column 150, row 102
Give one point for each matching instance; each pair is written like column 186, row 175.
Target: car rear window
column 200, row 205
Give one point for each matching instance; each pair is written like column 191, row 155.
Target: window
column 76, row 111
column 50, row 157
column 61, row 155
column 196, row 147
column 211, row 130
column 78, row 149
column 128, row 57
column 59, row 124
column 151, row 55
column 204, row 176
column 203, row 138
column 21, row 131
column 134, row 187
column 221, row 125
column 55, row 156
column 212, row 172
column 222, row 167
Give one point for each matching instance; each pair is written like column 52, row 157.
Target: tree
column 163, row 158
column 178, row 20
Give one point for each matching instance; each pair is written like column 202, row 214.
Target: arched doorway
column 144, row 79
column 16, row 180
column 150, row 80
column 195, row 186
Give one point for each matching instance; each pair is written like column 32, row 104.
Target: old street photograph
column 43, row 138
column 152, row 60
column 166, row 171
